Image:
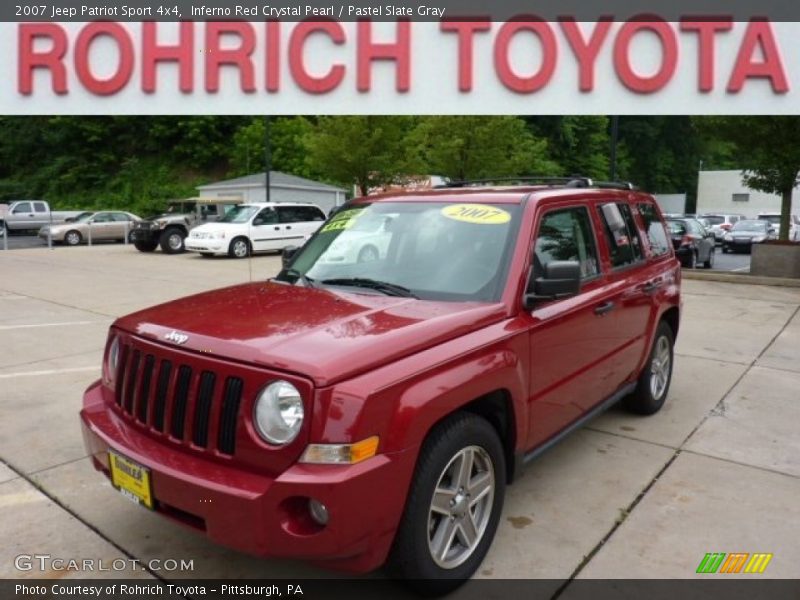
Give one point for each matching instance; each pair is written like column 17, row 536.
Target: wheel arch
column 672, row 317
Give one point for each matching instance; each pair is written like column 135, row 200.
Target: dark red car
column 358, row 411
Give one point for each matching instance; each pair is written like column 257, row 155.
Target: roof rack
column 576, row 181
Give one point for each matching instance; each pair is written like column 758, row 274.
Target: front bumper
column 209, row 246
column 257, row 514
column 738, row 245
column 145, row 235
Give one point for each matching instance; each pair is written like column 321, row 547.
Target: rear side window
column 656, row 235
column 40, row 207
column 566, row 235
column 300, row 214
column 625, row 247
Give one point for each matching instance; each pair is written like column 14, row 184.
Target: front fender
column 402, row 401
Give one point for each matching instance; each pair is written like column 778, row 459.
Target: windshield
column 714, row 220
column 83, row 217
column 435, row 251
column 239, row 214
column 759, row 226
column 774, row 219
column 676, row 227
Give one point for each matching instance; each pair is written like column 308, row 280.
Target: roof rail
column 576, row 181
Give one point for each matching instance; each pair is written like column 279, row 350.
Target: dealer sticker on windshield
column 480, row 214
column 343, row 220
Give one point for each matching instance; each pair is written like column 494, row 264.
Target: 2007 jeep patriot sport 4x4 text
column 370, row 407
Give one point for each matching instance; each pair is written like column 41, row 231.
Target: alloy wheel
column 461, row 507
column 660, row 368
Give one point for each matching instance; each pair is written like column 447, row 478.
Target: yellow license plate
column 131, row 479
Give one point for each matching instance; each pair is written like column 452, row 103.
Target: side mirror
column 562, row 279
column 288, row 254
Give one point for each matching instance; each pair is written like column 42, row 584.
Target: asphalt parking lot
column 718, row 470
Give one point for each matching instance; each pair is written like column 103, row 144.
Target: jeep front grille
column 169, row 400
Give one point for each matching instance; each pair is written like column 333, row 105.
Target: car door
column 41, row 214
column 23, row 216
column 120, row 225
column 570, row 339
column 265, row 231
column 295, row 225
column 631, row 292
column 102, row 226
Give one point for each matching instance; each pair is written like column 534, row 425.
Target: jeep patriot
column 370, row 408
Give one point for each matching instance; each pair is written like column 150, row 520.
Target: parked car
column 257, row 227
column 369, row 412
column 97, row 226
column 31, row 215
column 746, row 233
column 167, row 229
column 721, row 223
column 774, row 219
column 693, row 243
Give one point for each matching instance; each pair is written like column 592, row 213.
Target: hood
column 322, row 334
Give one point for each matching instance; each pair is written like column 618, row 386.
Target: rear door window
column 40, row 207
column 625, row 247
column 656, row 234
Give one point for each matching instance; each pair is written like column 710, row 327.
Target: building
column 283, row 188
column 725, row 192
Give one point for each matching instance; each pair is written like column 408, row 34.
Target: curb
column 740, row 278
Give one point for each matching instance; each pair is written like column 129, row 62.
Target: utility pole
column 612, row 167
column 267, row 154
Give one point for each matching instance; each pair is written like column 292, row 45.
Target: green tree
column 579, row 144
column 768, row 150
column 476, row 147
column 365, row 151
column 288, row 147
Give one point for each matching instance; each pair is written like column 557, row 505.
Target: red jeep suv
column 370, row 404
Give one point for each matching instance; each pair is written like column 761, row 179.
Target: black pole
column 612, row 167
column 267, row 154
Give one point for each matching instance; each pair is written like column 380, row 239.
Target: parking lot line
column 33, row 325
column 49, row 372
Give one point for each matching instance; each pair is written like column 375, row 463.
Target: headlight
column 759, row 238
column 112, row 361
column 728, row 237
column 278, row 413
column 218, row 235
column 161, row 224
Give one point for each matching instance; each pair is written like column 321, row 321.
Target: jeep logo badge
column 177, row 338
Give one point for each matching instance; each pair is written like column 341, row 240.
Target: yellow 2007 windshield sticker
column 343, row 220
column 480, row 214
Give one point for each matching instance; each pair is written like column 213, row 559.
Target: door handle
column 288, row 227
column 277, row 228
column 604, row 308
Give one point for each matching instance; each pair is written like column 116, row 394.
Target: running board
column 580, row 422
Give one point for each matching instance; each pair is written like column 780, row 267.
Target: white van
column 256, row 227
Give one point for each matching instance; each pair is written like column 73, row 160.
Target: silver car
column 721, row 223
column 97, row 226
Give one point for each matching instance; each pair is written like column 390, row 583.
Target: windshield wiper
column 390, row 289
column 307, row 281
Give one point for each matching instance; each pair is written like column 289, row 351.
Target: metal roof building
column 283, row 188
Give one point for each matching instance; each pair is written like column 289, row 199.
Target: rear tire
column 73, row 238
column 171, row 241
column 145, row 246
column 453, row 506
column 653, row 385
column 709, row 264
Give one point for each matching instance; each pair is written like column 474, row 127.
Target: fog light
column 319, row 512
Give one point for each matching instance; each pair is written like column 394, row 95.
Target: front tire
column 143, row 246
column 453, row 507
column 171, row 241
column 653, row 385
column 239, row 248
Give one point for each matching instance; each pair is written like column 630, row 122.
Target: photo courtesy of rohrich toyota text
column 399, row 299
